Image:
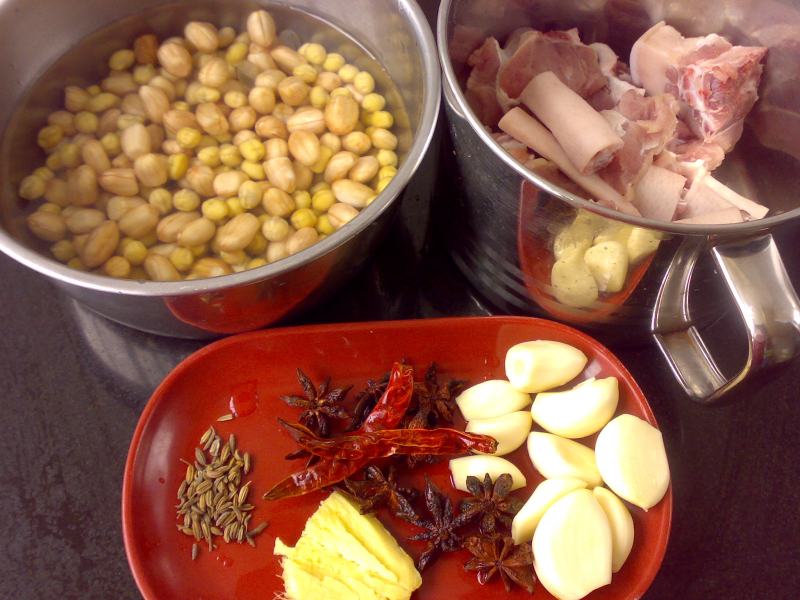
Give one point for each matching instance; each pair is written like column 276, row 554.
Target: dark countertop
column 74, row 385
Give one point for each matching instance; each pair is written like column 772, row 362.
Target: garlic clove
column 542, row 365
column 509, row 430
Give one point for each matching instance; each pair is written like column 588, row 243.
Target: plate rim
column 155, row 399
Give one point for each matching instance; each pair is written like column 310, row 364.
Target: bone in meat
column 661, row 50
column 720, row 91
column 583, row 133
column 520, row 125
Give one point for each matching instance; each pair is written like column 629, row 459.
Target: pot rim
column 422, row 139
column 455, row 99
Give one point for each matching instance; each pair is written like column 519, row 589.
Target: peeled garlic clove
column 642, row 243
column 608, row 263
column 542, row 365
column 621, row 522
column 572, row 281
column 632, row 460
column 479, row 465
column 543, row 497
column 572, row 547
column 573, row 239
column 580, row 411
column 509, row 430
column 491, row 398
column 613, row 232
column 557, row 457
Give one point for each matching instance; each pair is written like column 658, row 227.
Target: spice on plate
column 377, row 489
column 433, row 403
column 440, row 531
column 212, row 502
column 319, row 405
column 343, row 456
column 490, row 503
column 493, row 555
column 367, row 399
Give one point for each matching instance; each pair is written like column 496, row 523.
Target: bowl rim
column 457, row 102
column 429, row 116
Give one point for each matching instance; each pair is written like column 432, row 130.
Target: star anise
column 366, row 400
column 433, row 404
column 498, row 554
column 440, row 530
column 490, row 502
column 319, row 405
column 379, row 489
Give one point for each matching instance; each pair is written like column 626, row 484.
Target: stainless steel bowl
column 70, row 41
column 507, row 216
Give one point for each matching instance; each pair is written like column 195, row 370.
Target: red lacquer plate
column 198, row 391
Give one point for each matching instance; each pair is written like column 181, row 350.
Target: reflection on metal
column 764, row 297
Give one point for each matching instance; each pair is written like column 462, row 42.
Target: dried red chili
column 342, row 457
column 388, row 442
column 393, row 404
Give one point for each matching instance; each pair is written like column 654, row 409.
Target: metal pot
column 69, row 43
column 508, row 217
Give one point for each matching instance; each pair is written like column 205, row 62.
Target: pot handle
column 764, row 295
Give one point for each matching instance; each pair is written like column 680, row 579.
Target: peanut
column 301, row 239
column 139, row 221
column 304, row 146
column 170, row 227
column 117, row 206
column 197, row 232
column 261, row 28
column 281, row 174
column 100, row 245
column 339, row 166
column 82, row 186
column 341, row 114
column 159, row 268
column 84, row 220
column 237, row 233
column 47, row 226
column 120, row 182
column 352, row 193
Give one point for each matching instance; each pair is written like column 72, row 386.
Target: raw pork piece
column 709, row 153
column 645, row 124
column 586, row 137
column 616, row 73
column 655, row 114
column 521, row 126
column 658, row 193
column 716, row 82
column 561, row 52
column 482, row 82
column 720, row 91
column 629, row 162
column 516, row 149
column 661, row 51
column 464, row 41
column 707, row 195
